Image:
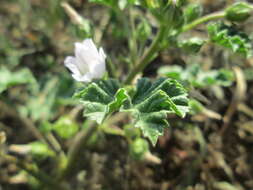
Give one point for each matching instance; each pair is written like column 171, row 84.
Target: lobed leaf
column 197, row 77
column 102, row 98
column 149, row 106
column 229, row 37
column 153, row 101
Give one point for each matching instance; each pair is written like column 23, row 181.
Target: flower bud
column 238, row 12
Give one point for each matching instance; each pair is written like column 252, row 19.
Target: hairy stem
column 147, row 56
column 212, row 16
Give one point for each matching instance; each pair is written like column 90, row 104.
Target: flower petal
column 83, row 54
column 77, row 77
column 90, row 45
column 87, row 78
column 70, row 63
column 97, row 70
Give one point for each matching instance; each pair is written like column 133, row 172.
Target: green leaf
column 192, row 45
column 9, row 79
column 149, row 106
column 229, row 37
column 65, row 127
column 121, row 98
column 192, row 12
column 174, row 72
column 102, row 98
column 238, row 12
column 153, row 101
column 169, row 13
column 197, row 77
column 143, row 30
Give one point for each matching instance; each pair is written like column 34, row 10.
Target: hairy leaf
column 101, row 98
column 153, row 101
column 149, row 106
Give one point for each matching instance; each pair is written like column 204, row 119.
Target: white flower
column 88, row 63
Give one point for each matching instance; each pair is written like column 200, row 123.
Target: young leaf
column 192, row 45
column 102, row 98
column 229, row 37
column 143, row 30
column 153, row 101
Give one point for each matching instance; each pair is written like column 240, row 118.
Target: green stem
column 213, row 16
column 148, row 55
column 76, row 149
column 152, row 50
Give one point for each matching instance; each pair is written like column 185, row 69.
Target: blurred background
column 201, row 152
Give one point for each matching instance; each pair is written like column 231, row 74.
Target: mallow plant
column 145, row 103
column 149, row 104
column 147, row 100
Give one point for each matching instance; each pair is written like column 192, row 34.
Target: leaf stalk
column 209, row 17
